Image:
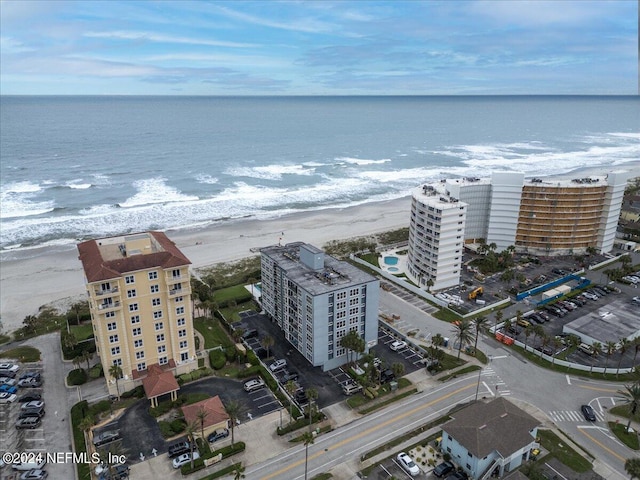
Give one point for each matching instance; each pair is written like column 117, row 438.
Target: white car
column 398, row 345
column 7, row 381
column 278, row 365
column 254, row 384
column 9, row 367
column 407, row 464
column 184, row 459
column 6, row 397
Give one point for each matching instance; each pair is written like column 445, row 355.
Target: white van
column 588, row 349
column 35, row 465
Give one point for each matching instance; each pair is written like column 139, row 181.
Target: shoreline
column 53, row 275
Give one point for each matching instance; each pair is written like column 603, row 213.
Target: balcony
column 106, row 291
column 103, row 307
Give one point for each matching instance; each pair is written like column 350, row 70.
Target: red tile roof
column 97, row 269
column 158, row 382
column 213, row 406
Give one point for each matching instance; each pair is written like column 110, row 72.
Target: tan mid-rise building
column 139, row 295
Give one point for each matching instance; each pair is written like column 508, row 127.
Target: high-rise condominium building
column 139, row 294
column 316, row 299
column 540, row 216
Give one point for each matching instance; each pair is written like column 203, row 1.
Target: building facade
column 316, row 299
column 139, row 293
column 436, row 238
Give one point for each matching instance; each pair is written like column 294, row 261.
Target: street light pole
column 478, row 385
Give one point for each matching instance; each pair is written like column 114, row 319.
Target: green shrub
column 249, row 372
column 217, row 359
column 78, row 412
column 252, row 358
column 137, row 392
column 77, row 377
column 185, row 377
column 99, row 407
column 178, row 425
column 165, row 429
column 96, row 371
column 230, row 353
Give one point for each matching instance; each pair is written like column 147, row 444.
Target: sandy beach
column 56, row 277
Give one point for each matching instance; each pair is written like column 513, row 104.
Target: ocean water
column 79, row 167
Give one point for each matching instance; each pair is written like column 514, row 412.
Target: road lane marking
column 597, row 388
column 568, row 379
column 604, row 447
column 368, row 431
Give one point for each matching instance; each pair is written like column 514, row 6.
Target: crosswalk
column 572, row 416
column 494, row 382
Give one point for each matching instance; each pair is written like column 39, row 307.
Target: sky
column 322, row 47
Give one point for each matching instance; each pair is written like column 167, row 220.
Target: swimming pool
column 390, row 261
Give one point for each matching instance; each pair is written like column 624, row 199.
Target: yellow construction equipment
column 476, row 293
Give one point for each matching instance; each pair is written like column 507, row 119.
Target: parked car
column 407, row 464
column 443, row 469
column 351, row 387
column 300, row 396
column 28, row 422
column 30, row 397
column 8, row 389
column 30, row 382
column 179, row 448
column 105, row 437
column 7, row 381
column 287, row 376
column 33, row 405
column 398, row 345
column 6, row 397
column 9, row 367
column 26, row 466
column 588, row 412
column 250, row 333
column 586, row 348
column 218, row 435
column 457, row 476
column 34, row 474
column 278, row 365
column 254, row 384
column 117, row 472
column 387, row 376
column 184, row 459
column 636, row 299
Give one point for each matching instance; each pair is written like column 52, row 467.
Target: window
column 129, row 279
column 179, row 299
column 153, row 275
column 182, row 333
column 115, row 351
column 163, row 360
column 184, row 356
column 137, row 331
column 113, row 338
column 155, row 302
column 140, row 355
column 137, row 343
column 117, row 361
column 111, row 326
column 159, row 326
column 155, row 288
column 183, row 344
column 157, row 314
column 160, row 337
column 131, row 293
column 180, row 311
column 142, row 366
column 133, row 307
column 181, row 322
column 176, row 273
column 109, row 314
column 135, row 319
column 162, row 348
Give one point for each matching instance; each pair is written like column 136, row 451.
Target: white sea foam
column 20, row 187
column 204, row 178
column 361, row 161
column 15, row 200
column 270, row 172
column 101, row 179
column 77, row 186
column 155, row 190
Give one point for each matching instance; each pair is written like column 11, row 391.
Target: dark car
column 29, row 422
column 588, row 412
column 106, row 437
column 250, row 333
column 387, row 376
column 218, row 435
column 30, row 397
column 287, row 376
column 117, row 472
column 443, row 469
column 457, row 476
column 179, row 448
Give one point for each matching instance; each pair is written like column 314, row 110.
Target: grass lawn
column 82, row 332
column 463, row 371
column 563, row 452
column 213, row 333
column 231, row 293
column 623, row 411
column 629, row 439
column 23, row 354
column 4, row 339
column 231, row 313
column 446, row 315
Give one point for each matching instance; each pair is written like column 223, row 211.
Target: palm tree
column 190, row 430
column 499, row 315
column 462, row 331
column 210, row 282
column 235, row 410
column 69, row 341
column 632, row 467
column 527, row 333
column 312, row 395
column 115, row 371
column 429, row 284
column 77, row 309
column 267, row 342
column 479, row 323
column 556, row 346
column 87, row 356
column 545, row 341
column 77, row 361
column 610, row 347
column 624, row 344
column 291, row 388
column 631, row 397
column 636, row 345
column 238, row 471
column 202, row 415
column 597, row 349
column 307, row 438
column 506, row 326
column 85, row 424
column 538, row 331
column 398, row 369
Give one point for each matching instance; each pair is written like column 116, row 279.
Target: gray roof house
column 484, row 437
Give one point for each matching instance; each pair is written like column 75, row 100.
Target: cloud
column 154, row 37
